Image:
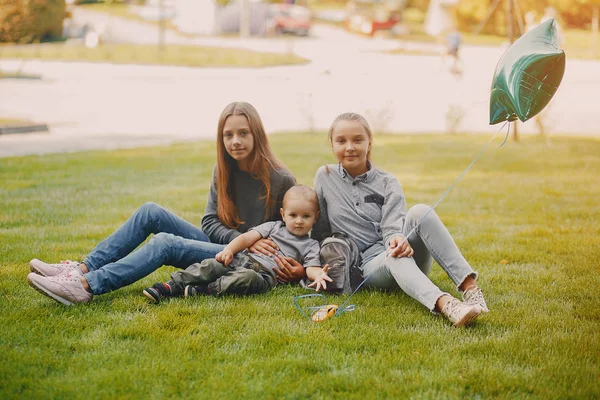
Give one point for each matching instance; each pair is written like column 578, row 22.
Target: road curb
column 23, row 129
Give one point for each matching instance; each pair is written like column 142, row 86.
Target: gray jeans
column 241, row 276
column 431, row 240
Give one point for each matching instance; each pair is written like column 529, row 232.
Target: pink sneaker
column 44, row 269
column 65, row 288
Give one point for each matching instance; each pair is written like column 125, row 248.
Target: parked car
column 290, row 18
column 369, row 16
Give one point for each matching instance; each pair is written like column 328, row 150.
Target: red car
column 368, row 16
column 290, row 18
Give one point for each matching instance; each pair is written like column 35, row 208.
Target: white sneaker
column 65, row 288
column 474, row 296
column 44, row 269
column 459, row 313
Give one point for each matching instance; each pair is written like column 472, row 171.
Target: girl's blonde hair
column 261, row 162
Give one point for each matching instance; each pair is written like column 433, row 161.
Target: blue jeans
column 113, row 263
column 431, row 240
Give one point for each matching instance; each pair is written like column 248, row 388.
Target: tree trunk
column 244, row 18
column 510, row 12
column 595, row 18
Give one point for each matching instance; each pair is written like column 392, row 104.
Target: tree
column 23, row 21
column 572, row 13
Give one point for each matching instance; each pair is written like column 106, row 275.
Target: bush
column 23, row 21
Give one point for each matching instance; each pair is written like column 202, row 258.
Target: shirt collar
column 363, row 177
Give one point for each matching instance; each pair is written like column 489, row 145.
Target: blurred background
column 80, row 74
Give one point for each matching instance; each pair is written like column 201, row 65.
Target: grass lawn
column 17, row 75
column 526, row 217
column 182, row 55
column 13, row 122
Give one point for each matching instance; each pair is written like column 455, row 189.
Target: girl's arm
column 238, row 244
column 392, row 221
column 393, row 211
column 216, row 231
column 281, row 181
column 321, row 229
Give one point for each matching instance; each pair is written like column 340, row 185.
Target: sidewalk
column 95, row 105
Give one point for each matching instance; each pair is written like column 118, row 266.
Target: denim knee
column 421, row 214
column 150, row 209
column 162, row 239
column 418, row 211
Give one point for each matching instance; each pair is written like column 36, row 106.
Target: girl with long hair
column 246, row 190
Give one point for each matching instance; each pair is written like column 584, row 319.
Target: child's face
column 237, row 137
column 299, row 215
column 351, row 144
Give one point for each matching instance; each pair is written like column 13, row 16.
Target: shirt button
column 357, row 203
column 353, row 183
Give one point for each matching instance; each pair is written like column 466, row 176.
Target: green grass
column 526, row 217
column 14, row 122
column 17, row 75
column 193, row 56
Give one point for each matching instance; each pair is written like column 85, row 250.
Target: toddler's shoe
column 474, row 296
column 460, row 314
column 191, row 291
column 65, row 288
column 41, row 268
column 157, row 292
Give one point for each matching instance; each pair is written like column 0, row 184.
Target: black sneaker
column 157, row 292
column 191, row 291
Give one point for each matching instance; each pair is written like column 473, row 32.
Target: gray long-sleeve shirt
column 248, row 197
column 370, row 208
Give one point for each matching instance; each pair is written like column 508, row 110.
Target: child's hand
column 224, row 256
column 321, row 279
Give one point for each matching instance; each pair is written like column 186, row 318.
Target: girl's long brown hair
column 261, row 161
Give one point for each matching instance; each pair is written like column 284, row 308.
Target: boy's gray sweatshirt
column 249, row 199
column 370, row 208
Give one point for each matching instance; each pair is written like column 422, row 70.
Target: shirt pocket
column 372, row 205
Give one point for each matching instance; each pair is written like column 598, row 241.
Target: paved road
column 109, row 106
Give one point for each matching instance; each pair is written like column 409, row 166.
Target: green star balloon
column 527, row 75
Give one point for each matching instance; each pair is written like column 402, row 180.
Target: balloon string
column 306, row 296
column 341, row 308
column 507, row 132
